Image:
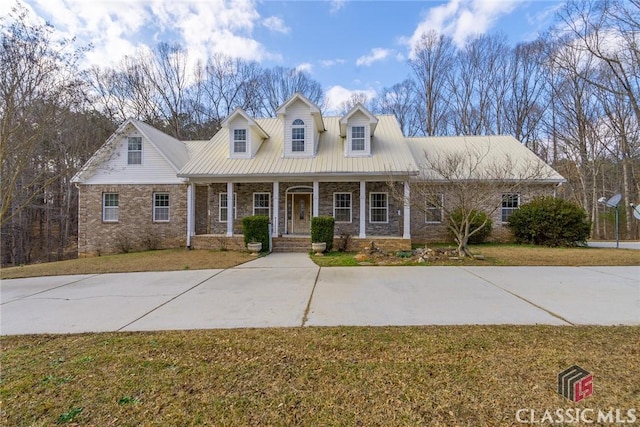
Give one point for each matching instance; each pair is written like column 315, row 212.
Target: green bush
column 256, row 229
column 477, row 219
column 550, row 221
column 322, row 228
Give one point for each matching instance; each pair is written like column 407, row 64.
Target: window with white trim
column 239, row 141
column 262, row 204
column 110, row 207
column 134, row 150
column 433, row 209
column 297, row 136
column 223, row 205
column 378, row 207
column 342, row 207
column 357, row 138
column 510, row 202
column 160, row 207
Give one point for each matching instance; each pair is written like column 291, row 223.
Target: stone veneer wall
column 423, row 232
column 135, row 219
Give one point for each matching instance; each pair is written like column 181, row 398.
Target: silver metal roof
column 390, row 155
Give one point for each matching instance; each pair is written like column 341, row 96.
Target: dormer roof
column 344, row 120
column 313, row 108
column 239, row 112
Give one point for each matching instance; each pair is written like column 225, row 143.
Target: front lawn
column 164, row 260
column 497, row 255
column 432, row 376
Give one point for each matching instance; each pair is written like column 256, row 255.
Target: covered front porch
column 362, row 210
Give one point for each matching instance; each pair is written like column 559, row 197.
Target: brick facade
column 135, row 228
column 424, row 232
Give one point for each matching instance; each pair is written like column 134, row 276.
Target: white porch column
column 316, row 198
column 363, row 209
column 190, row 213
column 230, row 204
column 276, row 208
column 407, row 211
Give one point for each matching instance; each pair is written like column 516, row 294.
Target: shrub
column 322, row 228
column 550, row 221
column 256, row 229
column 477, row 219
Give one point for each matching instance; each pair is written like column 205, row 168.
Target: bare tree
column 400, row 100
column 468, row 179
column 527, row 99
column 38, row 79
column 433, row 61
column 279, row 84
column 610, row 31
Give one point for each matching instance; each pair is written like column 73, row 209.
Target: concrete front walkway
column 289, row 290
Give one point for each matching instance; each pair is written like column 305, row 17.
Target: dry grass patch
column 537, row 255
column 498, row 255
column 436, row 376
column 164, row 260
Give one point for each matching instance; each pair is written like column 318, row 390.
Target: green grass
column 501, row 255
column 433, row 376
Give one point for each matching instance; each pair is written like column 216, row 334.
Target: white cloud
column 304, row 68
column 336, row 5
column 276, row 24
column 377, row 54
column 461, row 19
column 119, row 28
column 328, row 63
column 337, row 95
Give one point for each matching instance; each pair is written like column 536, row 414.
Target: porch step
column 292, row 244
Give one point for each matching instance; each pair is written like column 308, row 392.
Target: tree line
column 571, row 95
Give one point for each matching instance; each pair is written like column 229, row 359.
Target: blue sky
column 345, row 45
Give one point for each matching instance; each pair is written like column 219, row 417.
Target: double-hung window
column 239, row 141
column 224, row 205
column 134, row 150
column 357, row 138
column 510, row 202
column 342, row 207
column 297, row 136
column 433, row 210
column 262, row 204
column 378, row 207
column 160, row 207
column 110, row 207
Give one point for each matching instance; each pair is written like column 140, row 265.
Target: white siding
column 358, row 119
column 300, row 110
column 114, row 170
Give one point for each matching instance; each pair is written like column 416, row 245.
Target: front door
column 301, row 220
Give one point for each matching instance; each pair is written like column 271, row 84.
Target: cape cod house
column 146, row 189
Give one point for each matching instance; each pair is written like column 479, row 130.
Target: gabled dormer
column 357, row 127
column 302, row 123
column 245, row 135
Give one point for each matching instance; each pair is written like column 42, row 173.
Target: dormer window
column 357, row 138
column 297, row 136
column 239, row 141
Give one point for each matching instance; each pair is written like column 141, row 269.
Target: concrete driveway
column 289, row 290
